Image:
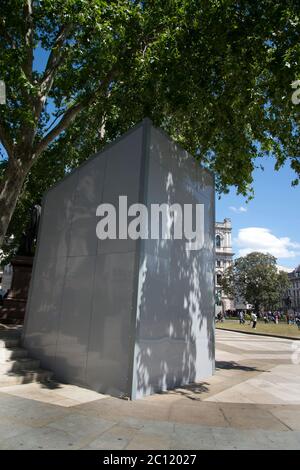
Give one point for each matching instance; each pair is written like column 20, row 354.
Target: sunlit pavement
column 252, row 402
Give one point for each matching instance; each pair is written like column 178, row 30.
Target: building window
column 218, row 241
column 219, row 279
column 218, row 263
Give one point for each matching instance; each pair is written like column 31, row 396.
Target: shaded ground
column 253, row 401
column 282, row 329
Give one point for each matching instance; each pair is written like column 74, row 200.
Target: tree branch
column 72, row 113
column 66, row 120
column 27, row 65
column 6, row 140
column 54, row 58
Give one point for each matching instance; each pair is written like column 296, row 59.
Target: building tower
column 224, row 255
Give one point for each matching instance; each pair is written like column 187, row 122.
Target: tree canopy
column 255, row 279
column 215, row 75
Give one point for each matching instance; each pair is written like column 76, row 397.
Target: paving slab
column 252, row 402
column 57, row 394
column 290, row 418
column 81, row 426
column 9, row 428
column 41, row 439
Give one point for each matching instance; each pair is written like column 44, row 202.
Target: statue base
column 14, row 305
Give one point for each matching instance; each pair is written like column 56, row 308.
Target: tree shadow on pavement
column 231, row 365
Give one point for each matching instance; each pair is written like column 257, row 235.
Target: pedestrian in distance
column 254, row 320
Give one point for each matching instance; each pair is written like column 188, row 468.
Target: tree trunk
column 256, row 308
column 10, row 188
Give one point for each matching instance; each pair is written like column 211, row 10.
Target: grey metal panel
column 80, row 310
column 122, row 178
column 110, row 333
column 88, row 196
column 174, row 343
column 43, row 310
column 74, row 325
column 58, row 208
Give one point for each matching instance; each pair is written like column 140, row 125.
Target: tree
column 215, row 75
column 255, row 279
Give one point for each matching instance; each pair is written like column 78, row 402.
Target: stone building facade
column 224, row 258
column 293, row 294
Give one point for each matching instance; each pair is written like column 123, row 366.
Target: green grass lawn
column 282, row 329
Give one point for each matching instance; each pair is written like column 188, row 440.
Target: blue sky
column 270, row 222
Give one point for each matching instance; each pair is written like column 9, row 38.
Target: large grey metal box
column 124, row 317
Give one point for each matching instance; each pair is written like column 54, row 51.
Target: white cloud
column 238, row 210
column 262, row 239
column 284, row 268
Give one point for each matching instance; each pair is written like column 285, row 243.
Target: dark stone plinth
column 14, row 305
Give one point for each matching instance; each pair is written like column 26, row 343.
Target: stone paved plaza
column 252, row 402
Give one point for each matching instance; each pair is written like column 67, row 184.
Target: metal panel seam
column 65, row 273
column 145, row 152
column 94, row 276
